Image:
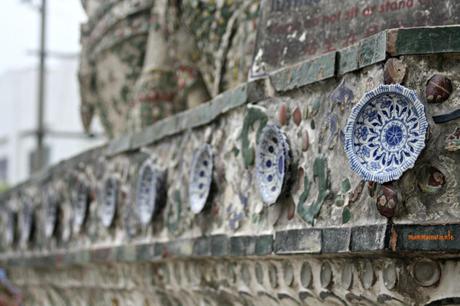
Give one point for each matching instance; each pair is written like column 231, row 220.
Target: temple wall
column 325, row 239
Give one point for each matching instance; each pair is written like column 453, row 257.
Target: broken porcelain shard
column 326, row 275
column 426, row 272
column 444, row 118
column 150, row 187
column 367, row 274
column 387, row 200
column 430, row 179
column 297, row 116
column 306, row 276
column 453, row 141
column 394, row 71
column 108, row 206
column 283, row 116
column 200, row 178
column 347, row 276
column 371, row 188
column 390, row 275
column 356, row 194
column 305, row 141
column 438, row 89
column 273, row 160
column 385, row 133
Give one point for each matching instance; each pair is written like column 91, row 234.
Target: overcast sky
column 19, row 31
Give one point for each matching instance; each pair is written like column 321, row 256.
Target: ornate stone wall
column 143, row 60
column 331, row 238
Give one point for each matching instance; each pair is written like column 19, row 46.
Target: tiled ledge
column 383, row 239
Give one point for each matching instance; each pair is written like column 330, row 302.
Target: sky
column 20, row 30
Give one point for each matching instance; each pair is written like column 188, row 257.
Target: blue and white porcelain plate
column 80, row 203
column 385, row 133
column 26, row 220
column 200, row 178
column 9, row 221
column 149, row 187
column 108, row 207
column 273, row 158
column 50, row 212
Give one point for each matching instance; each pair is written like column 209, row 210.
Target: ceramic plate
column 26, row 222
column 9, row 222
column 385, row 133
column 50, row 213
column 273, row 160
column 200, row 178
column 149, row 188
column 108, row 206
column 80, row 205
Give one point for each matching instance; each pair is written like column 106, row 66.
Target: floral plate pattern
column 385, row 133
column 273, row 159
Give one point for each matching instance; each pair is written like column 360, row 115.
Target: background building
column 64, row 136
column 18, row 84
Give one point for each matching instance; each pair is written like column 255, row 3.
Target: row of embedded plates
column 272, row 166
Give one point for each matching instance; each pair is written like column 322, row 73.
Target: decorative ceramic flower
column 385, row 133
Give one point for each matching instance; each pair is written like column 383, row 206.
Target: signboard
column 294, row 30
